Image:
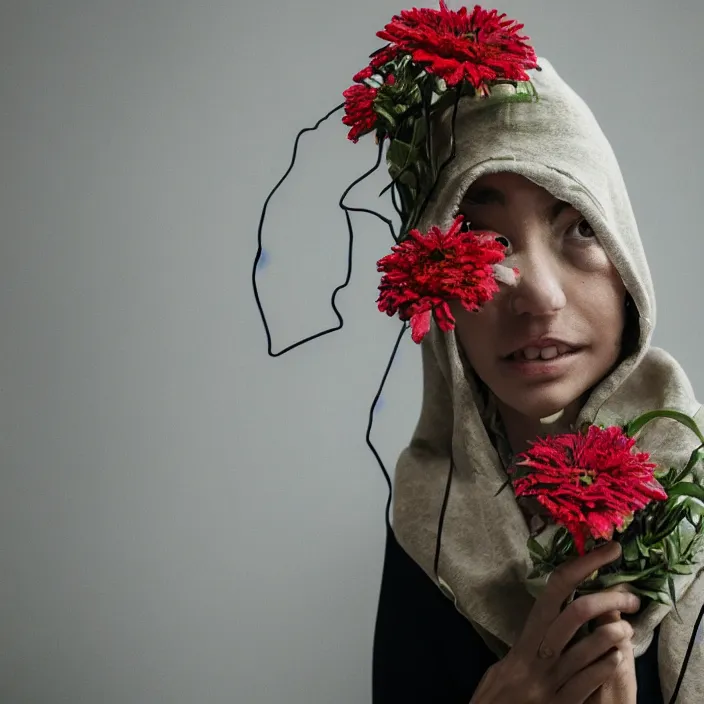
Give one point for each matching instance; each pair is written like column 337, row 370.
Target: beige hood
column 483, row 561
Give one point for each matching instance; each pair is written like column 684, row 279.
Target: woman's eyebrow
column 487, row 194
column 556, row 209
column 483, row 195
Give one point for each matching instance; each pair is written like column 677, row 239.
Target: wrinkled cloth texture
column 483, row 561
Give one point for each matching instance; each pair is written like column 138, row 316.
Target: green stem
column 635, row 426
column 696, row 455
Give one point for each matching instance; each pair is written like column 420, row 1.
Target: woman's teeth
column 533, row 353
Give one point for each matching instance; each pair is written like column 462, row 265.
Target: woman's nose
column 539, row 290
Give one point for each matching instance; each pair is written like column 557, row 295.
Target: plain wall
column 182, row 518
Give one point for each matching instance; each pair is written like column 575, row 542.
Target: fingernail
column 613, row 546
column 618, row 551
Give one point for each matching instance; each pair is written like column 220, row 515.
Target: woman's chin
column 544, row 408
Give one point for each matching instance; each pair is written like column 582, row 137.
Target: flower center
column 587, row 477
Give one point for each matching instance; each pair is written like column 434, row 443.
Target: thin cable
column 263, row 217
column 350, row 248
column 688, row 654
column 370, row 424
column 394, row 188
column 427, row 99
column 441, row 521
column 453, row 152
column 348, row 209
column 394, row 202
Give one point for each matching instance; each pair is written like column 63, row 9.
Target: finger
column 611, row 616
column 590, row 649
column 581, row 611
column 561, row 584
column 580, row 687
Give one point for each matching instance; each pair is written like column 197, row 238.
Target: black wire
column 394, row 184
column 349, row 210
column 350, row 246
column 688, row 654
column 261, row 227
column 390, row 185
column 394, row 202
column 427, row 98
column 453, row 153
column 370, row 424
column 441, row 521
column 393, row 187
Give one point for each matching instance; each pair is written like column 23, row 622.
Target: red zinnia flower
column 480, row 47
column 359, row 110
column 359, row 107
column 590, row 483
column 424, row 272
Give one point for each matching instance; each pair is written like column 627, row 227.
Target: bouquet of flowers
column 597, row 487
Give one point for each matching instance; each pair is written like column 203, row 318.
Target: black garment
column 426, row 652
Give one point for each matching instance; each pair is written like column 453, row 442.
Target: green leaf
column 636, row 425
column 657, row 596
column 385, row 114
column 630, row 551
column 536, row 548
column 673, row 596
column 671, row 589
column 681, row 569
column 563, row 540
column 665, row 476
column 641, row 547
column 670, row 552
column 677, row 513
column 397, row 153
column 694, row 459
column 610, row 580
column 687, row 489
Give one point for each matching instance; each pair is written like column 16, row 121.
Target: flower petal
column 420, row 326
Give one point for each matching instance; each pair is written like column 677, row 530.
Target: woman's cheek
column 592, row 259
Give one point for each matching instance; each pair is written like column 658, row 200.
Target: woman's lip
column 542, row 344
column 541, row 367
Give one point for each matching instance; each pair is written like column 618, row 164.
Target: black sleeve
column 425, row 651
column 649, row 691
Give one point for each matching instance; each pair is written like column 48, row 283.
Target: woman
column 568, row 344
column 564, row 345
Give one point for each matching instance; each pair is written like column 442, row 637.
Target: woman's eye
column 582, row 230
column 504, row 241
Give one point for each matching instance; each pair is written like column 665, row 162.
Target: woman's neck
column 522, row 430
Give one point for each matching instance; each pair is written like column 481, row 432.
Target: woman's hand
column 622, row 686
column 542, row 667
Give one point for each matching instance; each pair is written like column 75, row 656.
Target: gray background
column 183, row 519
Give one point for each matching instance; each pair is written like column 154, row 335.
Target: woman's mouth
column 531, row 354
column 551, row 359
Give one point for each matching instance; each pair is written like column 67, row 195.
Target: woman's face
column 539, row 346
